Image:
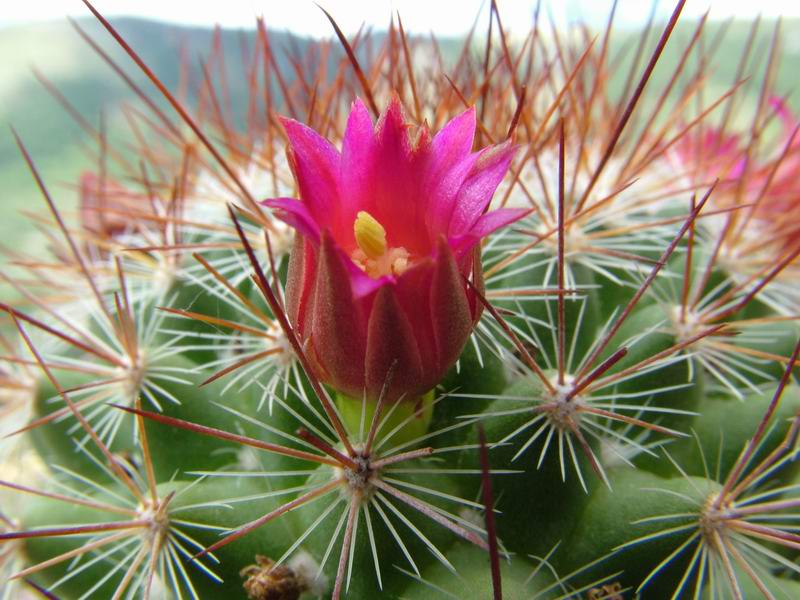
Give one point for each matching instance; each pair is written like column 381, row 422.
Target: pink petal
column 485, row 225
column 494, row 220
column 359, row 139
column 358, row 150
column 478, row 189
column 443, row 195
column 294, row 213
column 391, row 129
column 315, row 162
column 449, row 161
column 450, row 146
column 362, row 284
column 391, row 191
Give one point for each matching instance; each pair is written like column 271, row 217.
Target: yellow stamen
column 373, row 255
column 370, row 235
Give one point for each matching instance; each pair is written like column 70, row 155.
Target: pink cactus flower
column 761, row 181
column 774, row 184
column 387, row 234
column 714, row 155
column 782, row 198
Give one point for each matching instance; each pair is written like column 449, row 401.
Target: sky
column 445, row 17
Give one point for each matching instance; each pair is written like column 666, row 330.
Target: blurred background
column 41, row 49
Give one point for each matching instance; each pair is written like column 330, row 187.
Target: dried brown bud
column 609, row 591
column 265, row 581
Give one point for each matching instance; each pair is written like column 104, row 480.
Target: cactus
column 483, row 329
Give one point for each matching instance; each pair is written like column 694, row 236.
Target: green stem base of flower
column 399, row 424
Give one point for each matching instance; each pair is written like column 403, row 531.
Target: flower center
column 373, row 254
